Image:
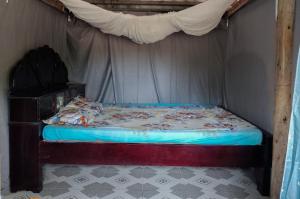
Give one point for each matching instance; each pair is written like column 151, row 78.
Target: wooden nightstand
column 25, row 128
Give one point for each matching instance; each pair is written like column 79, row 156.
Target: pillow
column 79, row 111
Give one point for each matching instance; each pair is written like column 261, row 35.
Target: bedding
column 79, row 111
column 150, row 123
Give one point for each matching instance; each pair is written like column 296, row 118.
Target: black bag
column 40, row 70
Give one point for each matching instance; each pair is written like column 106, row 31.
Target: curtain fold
column 154, row 73
column 88, row 59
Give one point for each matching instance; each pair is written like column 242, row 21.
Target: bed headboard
column 40, row 71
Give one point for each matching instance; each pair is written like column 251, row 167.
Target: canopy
column 197, row 20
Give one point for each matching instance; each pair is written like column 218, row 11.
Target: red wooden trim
column 150, row 154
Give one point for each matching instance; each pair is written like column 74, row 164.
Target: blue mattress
column 83, row 134
column 166, row 124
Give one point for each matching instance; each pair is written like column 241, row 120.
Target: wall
column 250, row 69
column 24, row 24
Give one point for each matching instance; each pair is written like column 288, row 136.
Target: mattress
column 160, row 124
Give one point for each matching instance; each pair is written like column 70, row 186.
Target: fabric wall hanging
column 197, row 20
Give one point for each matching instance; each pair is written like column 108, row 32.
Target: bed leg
column 263, row 180
column 263, row 172
column 25, row 167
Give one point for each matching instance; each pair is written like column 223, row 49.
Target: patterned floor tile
column 111, row 171
column 164, row 182
column 98, row 190
column 122, row 181
column 218, row 173
column 149, row 172
column 99, row 171
column 143, row 182
column 203, row 180
column 66, row 171
column 136, row 186
column 137, row 172
column 231, row 191
column 162, row 195
column 126, row 169
column 149, row 187
column 73, row 194
column 212, row 196
column 175, row 172
column 122, row 194
column 81, row 179
column 179, row 190
column 193, row 191
column 187, row 173
column 56, row 185
column 147, row 194
column 135, row 191
column 53, row 192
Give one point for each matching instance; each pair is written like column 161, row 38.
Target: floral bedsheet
column 148, row 117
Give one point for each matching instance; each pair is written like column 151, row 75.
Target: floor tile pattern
column 144, row 182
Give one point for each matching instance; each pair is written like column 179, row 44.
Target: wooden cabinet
column 25, row 127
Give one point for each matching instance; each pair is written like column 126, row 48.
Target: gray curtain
column 250, row 64
column 179, row 69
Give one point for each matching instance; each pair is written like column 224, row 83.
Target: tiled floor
column 129, row 182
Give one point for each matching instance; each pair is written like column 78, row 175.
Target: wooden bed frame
column 28, row 152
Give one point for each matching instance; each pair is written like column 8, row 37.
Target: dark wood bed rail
column 149, row 154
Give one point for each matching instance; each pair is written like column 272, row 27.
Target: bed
column 159, row 124
column 135, row 134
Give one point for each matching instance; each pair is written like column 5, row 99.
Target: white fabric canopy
column 196, row 20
